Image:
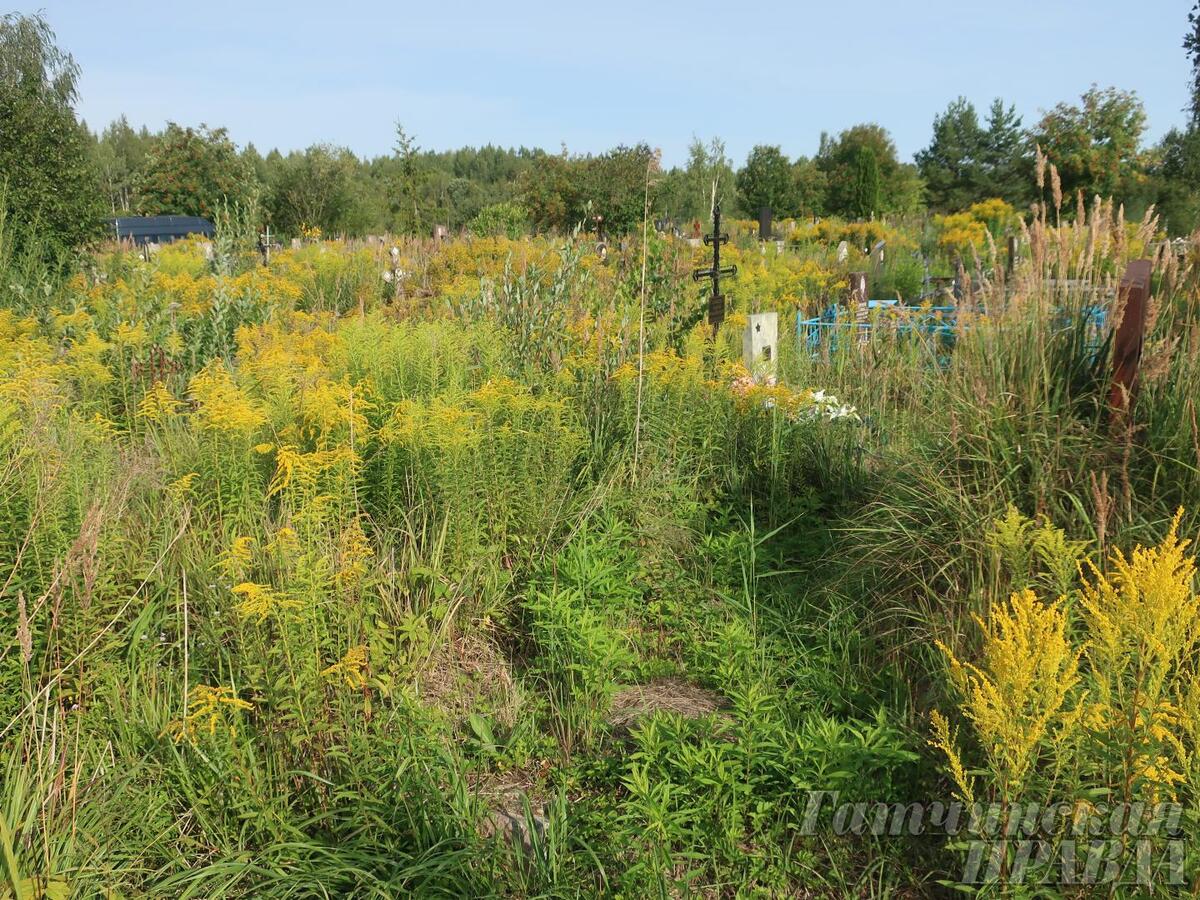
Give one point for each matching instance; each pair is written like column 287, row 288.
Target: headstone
column 858, row 287
column 759, row 343
column 843, row 252
column 206, row 248
column 296, row 243
column 440, row 233
column 764, row 223
column 779, row 246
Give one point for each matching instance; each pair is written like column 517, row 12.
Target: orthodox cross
column 716, row 303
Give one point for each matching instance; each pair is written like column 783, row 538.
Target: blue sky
column 595, row 75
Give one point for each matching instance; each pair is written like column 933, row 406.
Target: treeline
column 192, row 170
column 60, row 180
column 1096, row 146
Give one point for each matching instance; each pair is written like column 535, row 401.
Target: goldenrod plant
column 505, row 575
column 1084, row 702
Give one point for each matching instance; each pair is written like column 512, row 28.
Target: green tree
column 767, row 180
column 953, row 164
column 256, row 164
column 1177, row 173
column 968, row 161
column 411, row 178
column 900, row 185
column 810, row 185
column 504, row 219
column 120, row 152
column 192, row 172
column 865, row 193
column 314, row 188
column 614, row 184
column 552, row 194
column 560, row 192
column 48, row 181
column 1095, row 145
column 1007, row 157
column 708, row 176
column 1176, row 168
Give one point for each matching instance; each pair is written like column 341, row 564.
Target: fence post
column 1133, row 298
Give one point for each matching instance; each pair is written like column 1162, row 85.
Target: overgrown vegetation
column 311, row 586
column 485, row 567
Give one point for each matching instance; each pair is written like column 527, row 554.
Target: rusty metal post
column 1013, row 246
column 1133, row 300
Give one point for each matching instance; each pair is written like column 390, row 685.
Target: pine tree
column 953, row 163
column 1007, row 162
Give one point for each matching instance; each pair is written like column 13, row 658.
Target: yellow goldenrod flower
column 221, row 405
column 260, row 601
column 350, row 669
column 353, row 553
column 207, row 708
column 1015, row 696
column 158, row 404
column 181, row 487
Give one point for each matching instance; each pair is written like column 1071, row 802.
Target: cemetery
column 493, row 523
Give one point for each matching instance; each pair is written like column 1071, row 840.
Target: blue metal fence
column 938, row 324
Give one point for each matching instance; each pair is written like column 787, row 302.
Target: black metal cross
column 716, row 303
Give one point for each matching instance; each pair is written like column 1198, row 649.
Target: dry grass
column 663, row 695
column 468, row 673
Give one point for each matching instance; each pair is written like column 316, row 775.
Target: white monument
column 759, row 351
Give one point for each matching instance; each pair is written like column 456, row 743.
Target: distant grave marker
column 764, row 223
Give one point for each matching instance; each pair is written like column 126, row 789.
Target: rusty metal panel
column 1133, row 297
